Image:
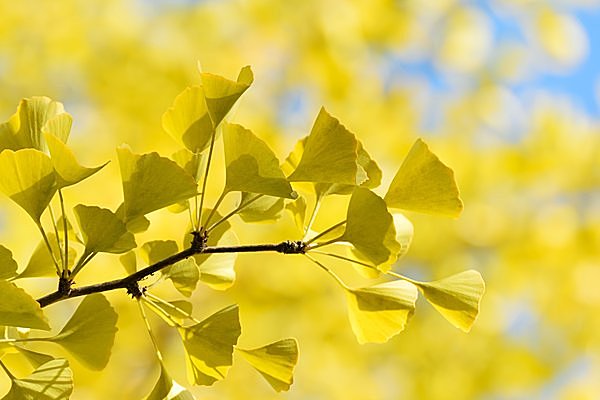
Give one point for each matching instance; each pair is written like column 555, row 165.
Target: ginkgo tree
column 37, row 166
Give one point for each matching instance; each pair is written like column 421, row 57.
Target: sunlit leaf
column 298, row 210
column 209, row 346
column 188, row 120
column 67, row 168
column 221, row 93
column 35, row 359
column 379, row 312
column 50, row 381
column 265, row 209
column 167, row 389
column 17, row 308
column 129, row 262
column 424, row 184
column 370, row 229
column 456, row 297
column 28, row 179
column 157, row 250
column 190, row 162
column 59, row 126
column 102, row 230
column 275, row 362
column 90, row 332
column 151, row 182
column 251, row 165
column 8, row 266
column 184, row 275
column 40, row 263
column 178, row 310
column 330, row 154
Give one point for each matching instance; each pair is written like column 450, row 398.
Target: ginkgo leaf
column 167, row 389
column 370, row 229
column 424, row 184
column 59, row 126
column 456, row 297
column 28, row 179
column 24, row 129
column 184, row 274
column 102, row 230
column 330, row 154
column 209, row 346
column 41, row 263
column 275, row 362
column 178, row 310
column 379, row 312
column 50, row 381
column 35, row 359
column 190, row 162
column 90, row 332
column 129, row 262
column 8, row 266
column 264, row 209
column 188, row 120
column 17, row 308
column 251, row 166
column 157, row 250
column 298, row 210
column 151, row 182
column 68, row 170
column 221, row 93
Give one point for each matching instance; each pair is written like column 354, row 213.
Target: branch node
column 292, row 247
column 199, row 241
column 64, row 285
column 133, row 289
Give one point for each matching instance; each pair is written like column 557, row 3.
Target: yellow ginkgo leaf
column 52, row 380
column 221, row 93
column 18, row 308
column 379, row 312
column 424, row 184
column 8, row 265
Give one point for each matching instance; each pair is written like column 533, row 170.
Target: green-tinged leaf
column 456, row 297
column 157, row 250
column 65, row 164
column 8, row 266
column 298, row 210
column 251, row 166
column 275, row 362
column 209, row 346
column 24, row 129
column 151, row 182
column 28, row 179
column 73, row 236
column 40, row 263
column 102, row 230
column 35, row 359
column 264, row 209
column 424, row 184
column 178, row 310
column 129, row 262
column 167, row 389
column 50, row 381
column 138, row 224
column 90, row 333
column 221, row 93
column 188, row 120
column 330, row 154
column 190, row 162
column 184, row 275
column 17, row 308
column 370, row 229
column 379, row 312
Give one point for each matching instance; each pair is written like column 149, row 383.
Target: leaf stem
column 65, row 228
column 43, row 232
column 174, row 307
column 55, row 227
column 214, row 210
column 149, row 329
column 234, row 211
column 326, row 231
column 158, row 310
column 313, row 216
column 203, row 194
column 329, row 271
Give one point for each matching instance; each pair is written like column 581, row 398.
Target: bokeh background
column 506, row 92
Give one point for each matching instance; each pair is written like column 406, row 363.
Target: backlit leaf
column 379, row 312
column 35, row 359
column 178, row 310
column 167, row 389
column 456, row 297
column 129, row 262
column 330, row 154
column 275, row 362
column 50, row 381
column 184, row 275
column 102, row 230
column 17, row 308
column 221, row 93
column 28, row 179
column 251, row 165
column 298, row 210
column 264, row 209
column 157, row 250
column 90, row 333
column 151, row 182
column 8, row 266
column 68, row 170
column 209, row 346
column 59, row 126
column 190, row 162
column 40, row 263
column 424, row 184
column 188, row 120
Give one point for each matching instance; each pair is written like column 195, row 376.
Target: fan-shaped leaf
column 298, row 210
column 90, row 333
column 59, row 126
column 379, row 312
column 188, row 120
column 41, row 264
column 275, row 362
column 264, row 209
column 251, row 165
column 102, row 230
column 151, row 182
column 424, row 184
column 17, row 308
column 221, row 93
column 456, row 297
column 35, row 359
column 209, row 346
column 129, row 262
column 190, row 162
column 8, row 266
column 50, row 381
column 28, row 179
column 178, row 310
column 157, row 250
column 330, row 154
column 167, row 389
column 65, row 164
column 184, row 275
